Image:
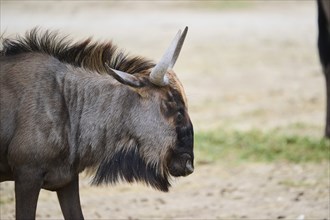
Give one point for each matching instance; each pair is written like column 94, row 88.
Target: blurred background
column 256, row 98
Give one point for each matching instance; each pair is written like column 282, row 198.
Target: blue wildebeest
column 69, row 107
column 323, row 7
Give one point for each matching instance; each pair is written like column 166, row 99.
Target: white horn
column 178, row 48
column 124, row 78
column 158, row 73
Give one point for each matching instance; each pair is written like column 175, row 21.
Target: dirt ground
column 252, row 65
column 218, row 191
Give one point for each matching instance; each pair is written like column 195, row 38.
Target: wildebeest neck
column 95, row 103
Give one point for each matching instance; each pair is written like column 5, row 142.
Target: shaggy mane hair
column 87, row 54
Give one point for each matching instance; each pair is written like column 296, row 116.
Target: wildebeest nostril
column 189, row 167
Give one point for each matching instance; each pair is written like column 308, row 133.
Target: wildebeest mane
column 87, row 54
column 128, row 165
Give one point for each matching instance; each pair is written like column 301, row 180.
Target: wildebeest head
column 161, row 126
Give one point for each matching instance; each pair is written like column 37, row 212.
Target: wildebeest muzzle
column 181, row 159
column 181, row 165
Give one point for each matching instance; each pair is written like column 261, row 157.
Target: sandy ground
column 220, row 191
column 242, row 67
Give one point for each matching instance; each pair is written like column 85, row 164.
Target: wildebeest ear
column 124, row 78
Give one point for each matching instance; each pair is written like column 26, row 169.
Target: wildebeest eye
column 179, row 117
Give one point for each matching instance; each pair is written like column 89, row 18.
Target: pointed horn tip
column 185, row 29
column 107, row 66
column 158, row 74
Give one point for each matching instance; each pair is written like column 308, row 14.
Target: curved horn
column 178, row 47
column 124, row 78
column 157, row 75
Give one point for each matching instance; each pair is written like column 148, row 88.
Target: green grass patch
column 259, row 146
